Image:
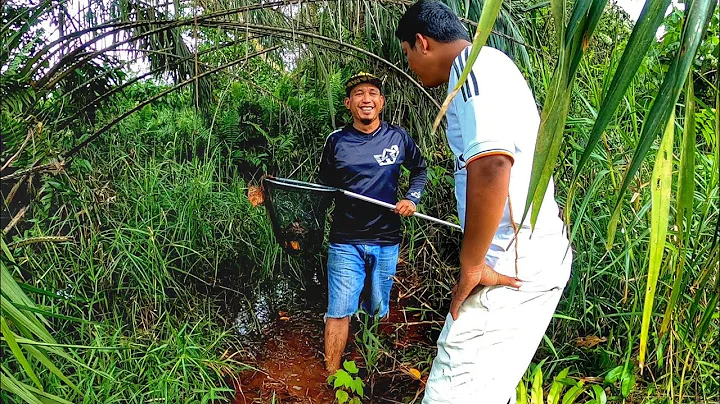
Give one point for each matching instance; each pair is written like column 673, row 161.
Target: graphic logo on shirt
column 415, row 194
column 388, row 156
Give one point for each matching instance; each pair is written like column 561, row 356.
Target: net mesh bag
column 297, row 211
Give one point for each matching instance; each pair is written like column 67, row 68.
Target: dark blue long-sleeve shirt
column 369, row 164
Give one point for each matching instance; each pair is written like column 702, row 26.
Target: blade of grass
column 716, row 162
column 14, row 293
column 686, row 190
column 642, row 36
column 46, row 313
column 693, row 31
column 21, row 320
column 12, row 385
column 579, row 12
column 9, row 337
column 555, row 110
column 37, row 354
column 661, row 187
column 589, row 23
column 557, row 7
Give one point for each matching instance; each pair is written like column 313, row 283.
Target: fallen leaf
column 256, row 195
column 589, row 341
column 282, row 313
column 284, row 318
column 294, row 245
column 415, row 373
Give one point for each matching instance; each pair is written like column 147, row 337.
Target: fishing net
column 297, row 211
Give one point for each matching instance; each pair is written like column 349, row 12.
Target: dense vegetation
column 117, row 232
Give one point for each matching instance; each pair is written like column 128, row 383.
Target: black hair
column 432, row 19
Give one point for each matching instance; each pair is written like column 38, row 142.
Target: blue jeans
column 350, row 267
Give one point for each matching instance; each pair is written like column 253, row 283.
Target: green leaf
column 521, row 393
column 557, row 8
column 355, row 400
column 47, row 313
column 343, row 379
column 548, row 144
column 661, row 184
column 342, row 396
column 573, row 393
column 557, row 387
column 350, row 367
column 614, row 375
column 536, row 395
column 579, row 13
column 358, row 385
column 17, row 352
column 642, row 36
column 600, row 396
column 21, row 320
column 627, row 383
column 44, row 397
column 709, row 314
column 37, row 354
column 6, row 250
column 9, row 383
column 664, row 104
column 686, row 180
column 686, row 190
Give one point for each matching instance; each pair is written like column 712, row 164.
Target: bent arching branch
column 124, row 115
column 64, row 122
column 289, row 32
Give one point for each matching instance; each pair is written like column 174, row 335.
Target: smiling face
column 365, row 102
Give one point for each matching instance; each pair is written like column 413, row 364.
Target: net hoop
column 295, row 244
column 301, row 185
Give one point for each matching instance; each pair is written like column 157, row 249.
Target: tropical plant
column 128, row 185
column 348, row 388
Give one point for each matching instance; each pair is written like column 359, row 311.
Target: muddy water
column 282, row 322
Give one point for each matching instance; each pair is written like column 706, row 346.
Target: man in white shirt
column 510, row 283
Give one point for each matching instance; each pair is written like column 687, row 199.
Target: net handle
column 300, row 184
column 309, row 185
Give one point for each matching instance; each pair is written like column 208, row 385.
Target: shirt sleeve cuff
column 415, row 201
column 477, row 150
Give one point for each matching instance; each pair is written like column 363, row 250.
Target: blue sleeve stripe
column 457, row 72
column 476, row 89
column 466, row 85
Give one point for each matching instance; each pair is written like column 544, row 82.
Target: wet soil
column 282, row 322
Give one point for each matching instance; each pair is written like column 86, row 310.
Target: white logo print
column 415, row 194
column 388, row 156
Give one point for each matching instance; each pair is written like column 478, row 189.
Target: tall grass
column 156, row 208
column 145, row 231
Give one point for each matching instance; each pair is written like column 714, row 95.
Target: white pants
column 485, row 352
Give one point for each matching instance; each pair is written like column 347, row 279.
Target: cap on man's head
column 360, row 78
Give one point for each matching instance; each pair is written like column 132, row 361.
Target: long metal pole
column 391, row 206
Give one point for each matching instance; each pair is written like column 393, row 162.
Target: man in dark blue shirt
column 365, row 158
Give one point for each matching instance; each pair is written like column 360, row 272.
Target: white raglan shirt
column 494, row 113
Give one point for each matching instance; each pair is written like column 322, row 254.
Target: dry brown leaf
column 294, row 245
column 589, row 341
column 256, row 195
column 284, row 318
